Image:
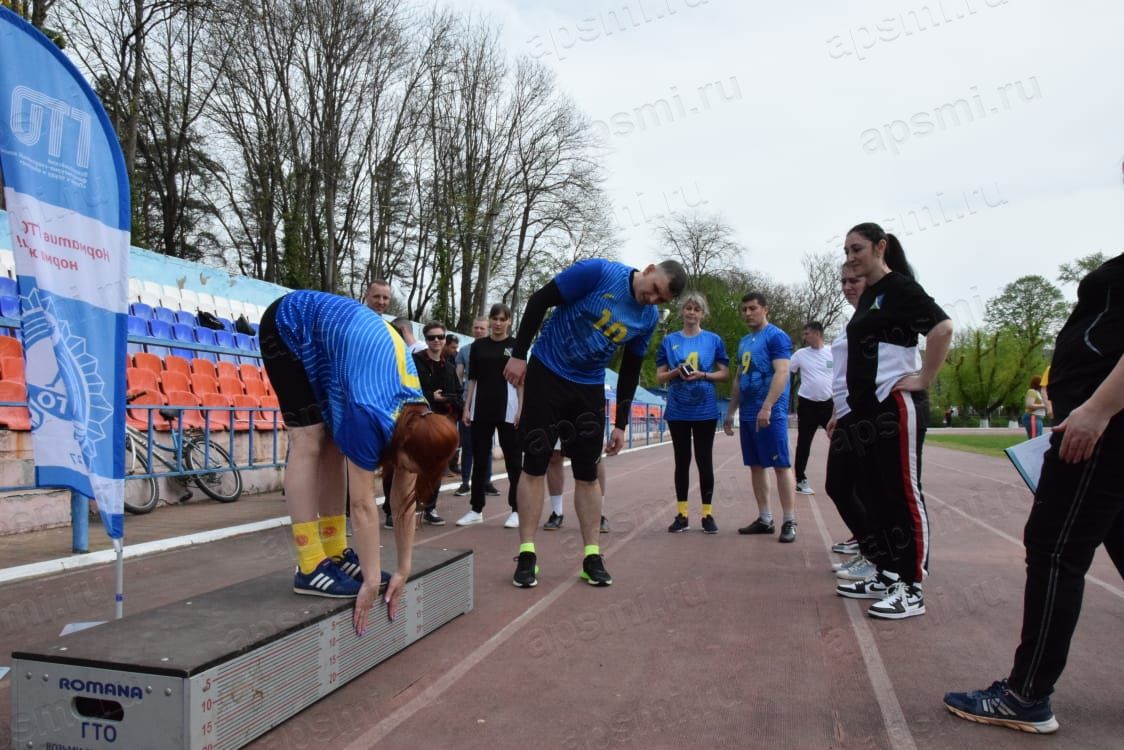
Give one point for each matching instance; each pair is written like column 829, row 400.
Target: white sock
column 789, row 517
column 766, row 516
column 556, row 504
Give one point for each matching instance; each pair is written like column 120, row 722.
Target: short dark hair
column 451, row 338
column 432, row 325
column 676, row 276
column 755, row 296
column 814, row 325
column 500, row 309
column 402, row 325
column 380, row 282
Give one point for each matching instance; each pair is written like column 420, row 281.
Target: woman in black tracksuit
column 889, row 413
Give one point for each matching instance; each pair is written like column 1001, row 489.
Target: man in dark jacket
column 439, row 383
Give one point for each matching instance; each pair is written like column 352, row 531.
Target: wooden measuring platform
column 218, row 670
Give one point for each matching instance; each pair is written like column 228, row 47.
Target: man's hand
column 764, row 417
column 439, row 395
column 515, row 370
column 728, row 424
column 1080, row 432
column 830, row 428
column 616, row 442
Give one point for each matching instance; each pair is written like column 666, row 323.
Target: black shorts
column 556, row 409
column 299, row 405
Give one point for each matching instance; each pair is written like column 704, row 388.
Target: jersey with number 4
column 597, row 315
column 691, row 400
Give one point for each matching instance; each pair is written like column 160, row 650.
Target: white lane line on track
column 426, row 697
column 102, row 557
column 930, row 462
column 893, row 718
column 1017, row 542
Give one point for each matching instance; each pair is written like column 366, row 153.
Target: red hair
column 427, row 439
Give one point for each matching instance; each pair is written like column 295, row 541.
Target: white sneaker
column 859, row 571
column 512, row 521
column 902, row 600
column 470, row 518
column 853, row 560
column 803, row 488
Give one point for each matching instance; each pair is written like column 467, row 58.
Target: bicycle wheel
column 141, row 495
column 225, row 483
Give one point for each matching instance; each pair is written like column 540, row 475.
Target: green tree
column 1072, row 273
column 991, row 370
column 1031, row 307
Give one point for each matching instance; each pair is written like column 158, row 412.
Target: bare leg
column 601, row 478
column 555, row 477
column 529, row 500
column 332, row 480
column 302, row 483
column 588, row 505
column 786, row 488
column 760, row 488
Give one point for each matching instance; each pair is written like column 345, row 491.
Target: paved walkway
column 702, row 641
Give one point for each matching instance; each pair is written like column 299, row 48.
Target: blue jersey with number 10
column 597, row 315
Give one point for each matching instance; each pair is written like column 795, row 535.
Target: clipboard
column 1027, row 457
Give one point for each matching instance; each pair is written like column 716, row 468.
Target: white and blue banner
column 67, row 195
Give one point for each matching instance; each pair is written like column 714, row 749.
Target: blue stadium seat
column 165, row 314
column 136, row 327
column 227, row 324
column 205, row 336
column 226, row 338
column 10, row 306
column 141, row 310
column 8, row 287
column 181, row 332
column 186, row 317
column 248, row 345
column 158, row 329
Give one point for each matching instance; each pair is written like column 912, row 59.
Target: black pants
column 810, row 416
column 887, row 445
column 1077, row 508
column 844, row 479
column 682, row 433
column 482, row 430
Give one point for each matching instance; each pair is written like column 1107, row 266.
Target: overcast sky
column 987, row 134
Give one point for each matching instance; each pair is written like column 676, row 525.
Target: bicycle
column 199, row 454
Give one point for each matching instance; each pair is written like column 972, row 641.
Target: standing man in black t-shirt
column 493, row 405
column 886, row 382
column 1078, row 505
column 438, row 377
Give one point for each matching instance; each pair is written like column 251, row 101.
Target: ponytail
column 894, row 257
column 429, row 440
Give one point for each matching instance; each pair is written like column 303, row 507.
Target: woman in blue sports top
column 691, row 361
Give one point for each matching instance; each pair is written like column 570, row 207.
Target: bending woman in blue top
column 691, row 361
column 351, row 402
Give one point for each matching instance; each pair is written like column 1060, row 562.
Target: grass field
column 988, row 445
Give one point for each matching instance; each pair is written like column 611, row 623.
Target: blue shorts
column 767, row 447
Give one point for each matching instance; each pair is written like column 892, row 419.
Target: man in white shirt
column 814, row 404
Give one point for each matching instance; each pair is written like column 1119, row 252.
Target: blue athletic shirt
column 598, row 314
column 692, row 401
column 358, row 367
column 756, row 352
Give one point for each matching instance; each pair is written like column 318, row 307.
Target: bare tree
column 820, row 296
column 704, row 243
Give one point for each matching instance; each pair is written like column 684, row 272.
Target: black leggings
column 703, row 433
column 810, row 416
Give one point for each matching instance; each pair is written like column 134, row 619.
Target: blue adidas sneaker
column 999, row 706
column 326, row 580
column 348, row 562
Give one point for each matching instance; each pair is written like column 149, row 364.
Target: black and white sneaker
column 432, row 518
column 902, row 600
column 463, row 490
column 873, row 587
column 679, row 524
column 553, row 523
column 708, row 525
column 849, row 547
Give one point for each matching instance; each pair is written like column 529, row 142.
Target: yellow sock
column 310, row 552
column 682, row 508
column 706, row 509
column 333, row 535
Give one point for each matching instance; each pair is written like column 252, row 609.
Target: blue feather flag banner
column 67, row 195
